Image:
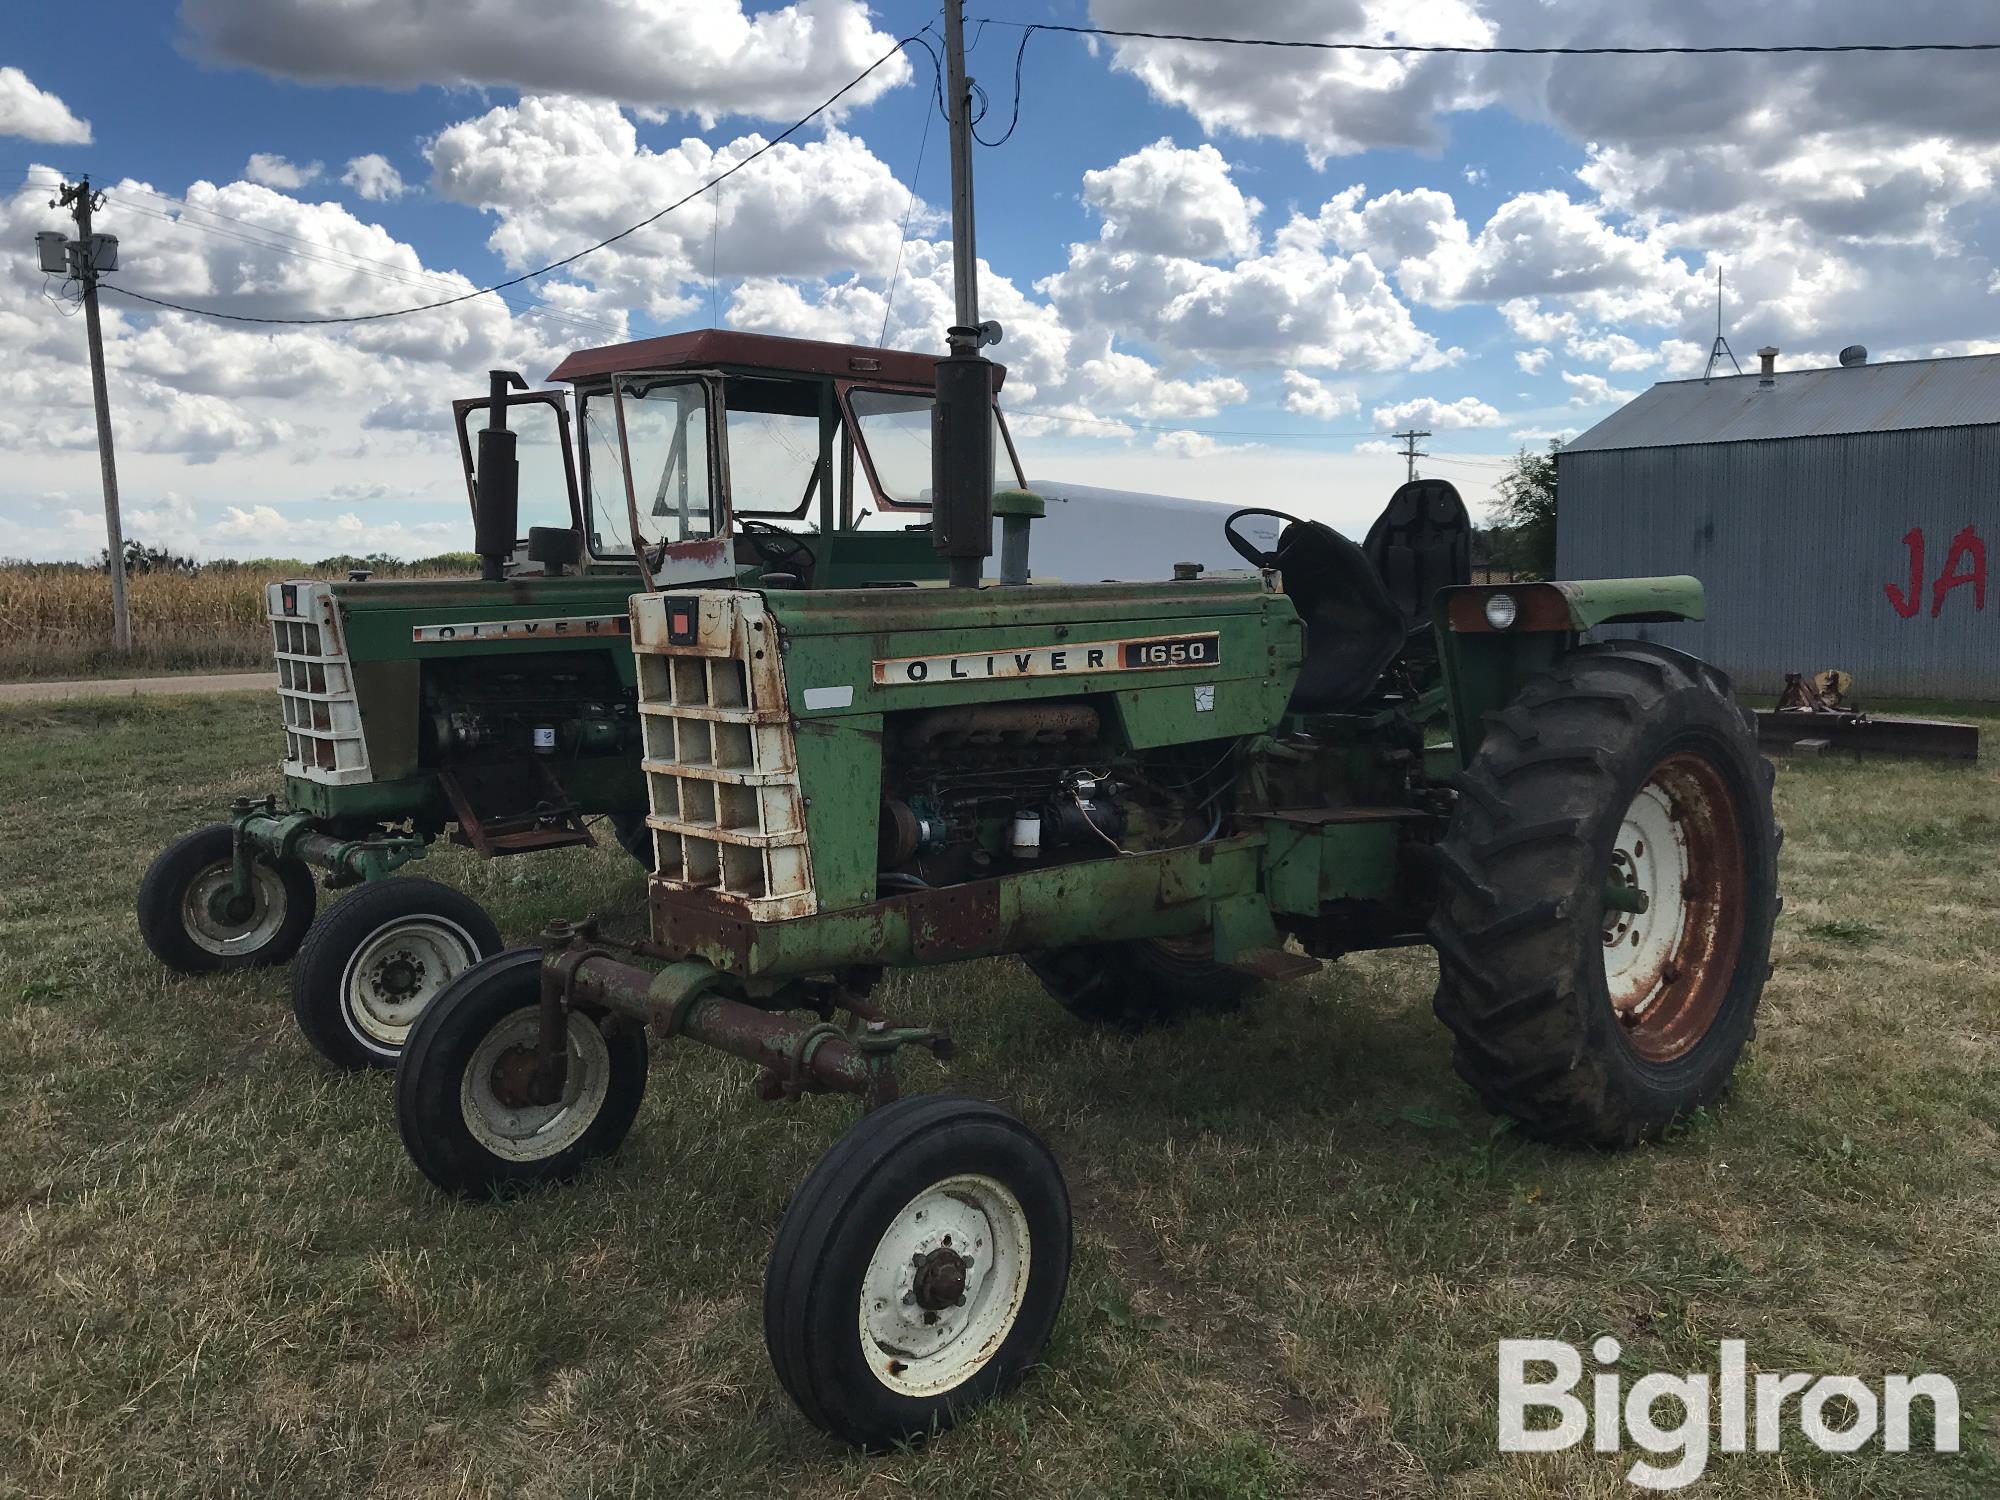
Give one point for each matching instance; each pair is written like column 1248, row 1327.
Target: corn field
column 55, row 619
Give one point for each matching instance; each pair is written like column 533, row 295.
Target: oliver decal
column 523, row 630
column 1150, row 654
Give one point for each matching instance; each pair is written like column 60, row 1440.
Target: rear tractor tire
column 376, row 958
column 918, row 1271
column 1141, row 982
column 1627, row 767
column 463, row 1101
column 193, row 925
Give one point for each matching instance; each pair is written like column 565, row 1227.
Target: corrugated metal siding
column 1797, row 541
column 1908, row 394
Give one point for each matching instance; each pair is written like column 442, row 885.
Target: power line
column 1467, row 49
column 1129, row 422
column 889, row 297
column 332, row 255
column 554, row 265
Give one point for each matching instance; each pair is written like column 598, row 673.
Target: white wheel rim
column 1651, row 854
column 394, row 971
column 229, row 939
column 969, row 1228
column 508, row 1125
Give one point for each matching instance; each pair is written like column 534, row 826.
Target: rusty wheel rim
column 1668, row 968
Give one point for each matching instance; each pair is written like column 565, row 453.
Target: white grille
column 722, row 773
column 315, row 685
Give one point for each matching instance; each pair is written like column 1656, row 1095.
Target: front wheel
column 372, row 963
column 465, row 1101
column 1610, row 888
column 194, row 922
column 918, row 1271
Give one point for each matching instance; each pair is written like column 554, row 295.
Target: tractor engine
column 553, row 704
column 981, row 789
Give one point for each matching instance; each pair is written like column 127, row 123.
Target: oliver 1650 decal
column 1055, row 661
column 523, row 630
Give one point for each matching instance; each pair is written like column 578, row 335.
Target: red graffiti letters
column 1964, row 564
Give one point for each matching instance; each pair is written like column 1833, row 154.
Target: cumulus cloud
column 271, row 171
column 1166, row 201
column 708, row 58
column 1594, row 390
column 1307, row 396
column 36, row 114
column 1532, row 361
column 373, row 177
column 1438, row 416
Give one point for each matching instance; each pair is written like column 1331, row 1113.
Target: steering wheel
column 774, row 545
column 1255, row 556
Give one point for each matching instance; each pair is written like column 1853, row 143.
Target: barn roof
column 1891, row 397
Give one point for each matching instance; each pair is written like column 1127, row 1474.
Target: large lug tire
column 1628, row 764
column 461, row 1101
column 918, row 1271
column 1141, row 981
column 187, row 920
column 633, row 836
column 376, row 958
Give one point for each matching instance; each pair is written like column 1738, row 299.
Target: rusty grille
column 721, row 769
column 323, row 740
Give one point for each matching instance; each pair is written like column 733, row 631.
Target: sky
column 1226, row 273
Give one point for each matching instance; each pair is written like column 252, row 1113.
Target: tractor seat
column 1422, row 542
column 1353, row 628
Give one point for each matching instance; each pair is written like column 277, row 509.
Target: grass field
column 1299, row 1238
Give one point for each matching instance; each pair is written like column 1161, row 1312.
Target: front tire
column 1141, row 982
column 1628, row 765
column 372, row 963
column 461, row 1104
column 918, row 1271
column 192, row 925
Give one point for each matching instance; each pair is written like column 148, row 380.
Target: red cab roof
column 717, row 346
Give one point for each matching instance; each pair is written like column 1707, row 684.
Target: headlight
column 1501, row 611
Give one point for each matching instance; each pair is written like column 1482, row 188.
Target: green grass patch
column 1299, row 1238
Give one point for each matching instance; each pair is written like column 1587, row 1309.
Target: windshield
column 896, row 430
column 666, row 430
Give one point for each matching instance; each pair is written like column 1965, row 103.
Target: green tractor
column 503, row 710
column 1161, row 795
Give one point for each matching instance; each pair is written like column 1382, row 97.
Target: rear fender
column 1485, row 665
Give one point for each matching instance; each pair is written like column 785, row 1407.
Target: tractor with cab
column 501, row 712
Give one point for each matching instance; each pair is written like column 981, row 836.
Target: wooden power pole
column 1411, row 452
column 85, row 254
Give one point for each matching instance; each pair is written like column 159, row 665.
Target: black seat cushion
column 1353, row 628
column 1422, row 542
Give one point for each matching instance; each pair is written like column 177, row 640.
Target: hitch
column 261, row 830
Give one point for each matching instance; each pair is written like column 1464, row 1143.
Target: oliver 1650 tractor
column 504, row 708
column 1161, row 795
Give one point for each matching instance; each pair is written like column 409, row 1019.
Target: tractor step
column 511, row 807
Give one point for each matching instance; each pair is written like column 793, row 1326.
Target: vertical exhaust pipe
column 497, row 525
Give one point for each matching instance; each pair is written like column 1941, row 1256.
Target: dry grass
column 220, row 1275
column 55, row 619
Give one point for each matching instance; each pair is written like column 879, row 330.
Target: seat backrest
column 1422, row 542
column 1353, row 628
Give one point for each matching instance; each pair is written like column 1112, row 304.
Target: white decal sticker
column 830, row 697
column 523, row 630
column 1143, row 655
column 1204, row 698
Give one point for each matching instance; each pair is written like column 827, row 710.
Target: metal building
column 1839, row 518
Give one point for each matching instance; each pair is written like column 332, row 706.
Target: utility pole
column 1411, row 453
column 85, row 255
column 964, row 253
